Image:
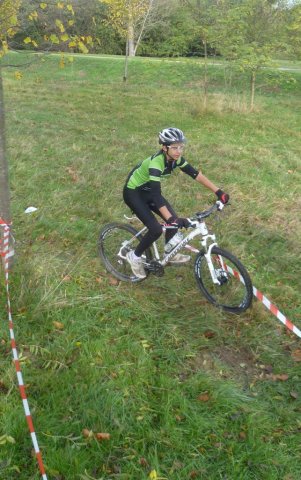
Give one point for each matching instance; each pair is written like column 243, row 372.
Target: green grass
column 182, row 388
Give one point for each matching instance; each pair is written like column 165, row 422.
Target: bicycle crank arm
column 154, row 267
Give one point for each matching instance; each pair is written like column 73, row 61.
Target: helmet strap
column 166, row 152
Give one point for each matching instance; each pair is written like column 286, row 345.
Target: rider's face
column 174, row 151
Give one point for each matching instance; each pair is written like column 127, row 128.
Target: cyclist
column 142, row 193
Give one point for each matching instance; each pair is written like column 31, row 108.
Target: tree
column 205, row 18
column 170, row 31
column 249, row 33
column 293, row 29
column 129, row 17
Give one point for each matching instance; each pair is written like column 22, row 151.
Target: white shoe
column 179, row 258
column 136, row 264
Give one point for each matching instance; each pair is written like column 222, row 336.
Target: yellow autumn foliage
column 123, row 12
column 8, row 18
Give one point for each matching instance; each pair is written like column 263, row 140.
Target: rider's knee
column 157, row 230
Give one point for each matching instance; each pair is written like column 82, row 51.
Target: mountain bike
column 220, row 276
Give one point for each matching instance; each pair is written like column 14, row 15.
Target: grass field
column 185, row 391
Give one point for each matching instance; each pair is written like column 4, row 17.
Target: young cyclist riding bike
column 142, row 193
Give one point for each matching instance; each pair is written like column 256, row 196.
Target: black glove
column 180, row 222
column 222, row 196
column 183, row 222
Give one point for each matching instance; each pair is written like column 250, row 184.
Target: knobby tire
column 235, row 293
column 110, row 241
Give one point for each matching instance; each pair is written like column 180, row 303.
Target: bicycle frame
column 208, row 241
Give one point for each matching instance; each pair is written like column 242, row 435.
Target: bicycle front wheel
column 234, row 291
column 115, row 241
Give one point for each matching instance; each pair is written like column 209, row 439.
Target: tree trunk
column 150, row 5
column 205, row 75
column 253, row 81
column 125, row 75
column 131, row 43
column 4, row 186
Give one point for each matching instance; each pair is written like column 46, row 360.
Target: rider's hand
column 183, row 222
column 180, row 222
column 222, row 196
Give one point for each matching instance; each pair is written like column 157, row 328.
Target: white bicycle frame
column 200, row 229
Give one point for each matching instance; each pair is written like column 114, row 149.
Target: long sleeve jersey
column 147, row 175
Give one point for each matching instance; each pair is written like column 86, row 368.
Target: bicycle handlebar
column 201, row 215
column 206, row 213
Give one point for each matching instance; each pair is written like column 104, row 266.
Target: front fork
column 207, row 255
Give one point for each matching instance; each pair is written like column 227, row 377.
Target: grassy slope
column 133, row 361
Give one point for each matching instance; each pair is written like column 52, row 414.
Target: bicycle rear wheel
column 235, row 292
column 115, row 241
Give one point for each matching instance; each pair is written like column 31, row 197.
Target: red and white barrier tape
column 272, row 308
column 269, row 305
column 6, row 254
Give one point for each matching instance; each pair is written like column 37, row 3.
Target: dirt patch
column 240, row 365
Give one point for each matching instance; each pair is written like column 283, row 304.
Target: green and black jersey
column 147, row 175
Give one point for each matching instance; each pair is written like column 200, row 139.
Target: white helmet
column 171, row 135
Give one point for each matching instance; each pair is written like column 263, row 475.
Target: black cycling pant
column 141, row 203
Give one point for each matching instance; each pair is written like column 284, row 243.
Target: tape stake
column 6, row 254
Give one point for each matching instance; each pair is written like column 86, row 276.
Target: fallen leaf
column 3, row 387
column 87, row 433
column 179, row 418
column 218, row 445
column 143, row 462
column 294, row 395
column 242, row 435
column 153, row 475
column 296, row 354
column 103, row 436
column 204, row 397
column 281, row 376
column 209, row 334
column 113, row 281
column 71, row 171
column 58, row 325
column 99, row 279
column 22, row 310
column 66, row 278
